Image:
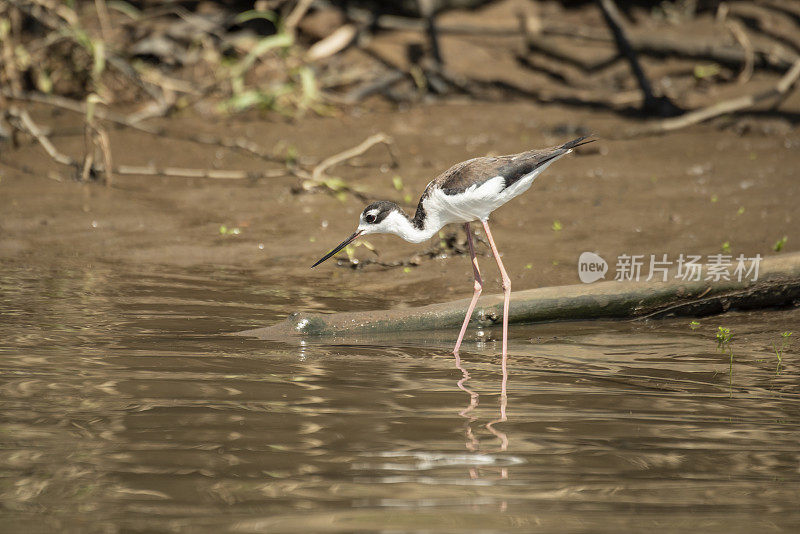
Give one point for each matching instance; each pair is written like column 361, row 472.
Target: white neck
column 398, row 224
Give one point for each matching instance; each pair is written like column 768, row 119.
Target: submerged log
column 778, row 284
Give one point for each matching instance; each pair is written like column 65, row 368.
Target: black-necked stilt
column 468, row 191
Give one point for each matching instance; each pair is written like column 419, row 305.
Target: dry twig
column 781, row 90
column 21, row 120
column 741, row 36
column 213, row 174
column 319, row 172
column 297, row 15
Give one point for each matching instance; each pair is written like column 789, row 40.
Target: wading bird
column 466, row 192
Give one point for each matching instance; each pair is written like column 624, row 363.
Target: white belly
column 476, row 203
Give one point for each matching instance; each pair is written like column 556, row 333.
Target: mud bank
column 778, row 284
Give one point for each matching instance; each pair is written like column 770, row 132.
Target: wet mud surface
column 688, row 193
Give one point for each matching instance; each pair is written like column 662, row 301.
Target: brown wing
column 467, row 173
column 524, row 163
column 477, row 170
column 511, row 167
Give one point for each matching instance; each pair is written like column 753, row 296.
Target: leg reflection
column 472, row 443
column 503, row 404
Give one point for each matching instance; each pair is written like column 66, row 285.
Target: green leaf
column 99, row 58
column 335, row 184
column 43, row 82
column 125, row 8
column 308, row 82
column 706, row 71
column 91, row 103
column 256, row 14
column 279, row 40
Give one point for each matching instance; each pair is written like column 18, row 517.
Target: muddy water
column 126, row 408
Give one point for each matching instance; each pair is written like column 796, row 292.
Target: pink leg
column 506, row 289
column 478, row 288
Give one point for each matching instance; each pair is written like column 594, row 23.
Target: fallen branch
column 334, row 43
column 21, row 120
column 297, row 14
column 317, row 175
column 778, row 93
column 213, row 174
column 774, row 24
column 741, row 36
column 778, row 284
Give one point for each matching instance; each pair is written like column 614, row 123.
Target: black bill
column 339, row 247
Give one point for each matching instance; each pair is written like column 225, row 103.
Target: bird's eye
column 370, row 218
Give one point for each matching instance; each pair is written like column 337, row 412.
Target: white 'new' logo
column 591, row 267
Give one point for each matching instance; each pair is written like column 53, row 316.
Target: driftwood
column 778, row 284
column 777, row 94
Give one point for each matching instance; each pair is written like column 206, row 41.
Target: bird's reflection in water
column 472, row 441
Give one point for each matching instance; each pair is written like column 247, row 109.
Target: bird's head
column 378, row 218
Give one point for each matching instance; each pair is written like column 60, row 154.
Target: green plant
column 557, row 226
column 294, row 88
column 779, row 351
column 350, row 250
column 224, row 230
column 724, row 337
column 779, row 244
column 707, row 70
